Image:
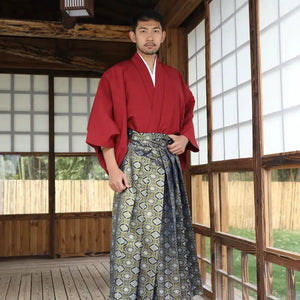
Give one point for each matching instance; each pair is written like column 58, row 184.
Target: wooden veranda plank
column 90, row 283
column 79, row 283
column 36, row 286
column 58, row 284
column 14, row 287
column 25, row 287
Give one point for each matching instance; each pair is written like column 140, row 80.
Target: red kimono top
column 127, row 98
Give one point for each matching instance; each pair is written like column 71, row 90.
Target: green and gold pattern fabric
column 153, row 254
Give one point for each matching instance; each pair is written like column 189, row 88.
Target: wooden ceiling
column 34, row 35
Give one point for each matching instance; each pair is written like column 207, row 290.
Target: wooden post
column 245, row 275
column 51, row 170
column 257, row 146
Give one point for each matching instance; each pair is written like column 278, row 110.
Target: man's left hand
column 179, row 144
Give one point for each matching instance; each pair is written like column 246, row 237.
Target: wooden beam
column 48, row 55
column 58, row 31
column 175, row 12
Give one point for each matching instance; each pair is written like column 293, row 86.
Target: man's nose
column 149, row 36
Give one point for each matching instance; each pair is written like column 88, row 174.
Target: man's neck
column 149, row 59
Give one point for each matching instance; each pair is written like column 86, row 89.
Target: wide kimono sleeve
column 107, row 122
column 187, row 128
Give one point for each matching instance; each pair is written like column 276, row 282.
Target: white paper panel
column 79, row 85
column 40, row 103
column 245, row 140
column 61, row 85
column 287, row 6
column 216, row 82
column 22, row 83
column 230, row 108
column 61, row 104
column 231, row 143
column 203, row 151
column 195, row 158
column 290, row 33
column 41, row 143
column 41, row 123
column 216, row 46
column 196, row 123
column 243, row 64
column 228, row 36
column 5, row 102
column 22, row 143
column 5, row 124
column 218, row 145
column 291, row 130
column 242, row 26
column 192, row 43
column 79, row 144
column 61, row 143
column 5, row 82
column 201, row 87
column 245, row 103
column 79, row 123
column 273, row 135
column 79, row 104
column 240, row 3
column 291, row 84
column 192, row 70
column 193, row 89
column 217, row 113
column 201, row 64
column 215, row 14
column 5, row 142
column 61, row 123
column 202, row 123
column 22, row 102
column 94, row 85
column 22, row 122
column 227, row 9
column 271, row 92
column 40, row 83
column 91, row 101
column 200, row 35
column 270, row 55
column 229, row 72
column 268, row 12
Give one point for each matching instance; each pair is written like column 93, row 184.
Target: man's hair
column 147, row 15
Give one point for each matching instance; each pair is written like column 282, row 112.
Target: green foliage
column 23, row 167
column 78, row 168
column 36, row 167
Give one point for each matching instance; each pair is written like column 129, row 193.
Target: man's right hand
column 117, row 180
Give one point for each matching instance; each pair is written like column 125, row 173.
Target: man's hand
column 117, row 180
column 180, row 142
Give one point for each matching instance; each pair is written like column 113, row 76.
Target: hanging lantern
column 78, row 8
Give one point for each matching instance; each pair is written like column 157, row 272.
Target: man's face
column 148, row 37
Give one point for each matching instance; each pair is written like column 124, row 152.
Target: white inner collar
column 152, row 74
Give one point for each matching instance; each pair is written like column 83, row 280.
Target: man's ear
column 132, row 36
column 163, row 36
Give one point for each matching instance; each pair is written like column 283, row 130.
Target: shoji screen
column 280, row 60
column 230, row 79
column 196, row 54
column 73, row 101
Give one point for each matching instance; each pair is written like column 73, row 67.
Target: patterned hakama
column 153, row 254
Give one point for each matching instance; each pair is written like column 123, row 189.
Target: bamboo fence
column 31, row 197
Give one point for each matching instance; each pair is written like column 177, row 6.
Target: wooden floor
column 59, row 279
column 48, row 279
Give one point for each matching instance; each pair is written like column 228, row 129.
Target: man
column 141, row 122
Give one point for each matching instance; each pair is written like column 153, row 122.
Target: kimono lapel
column 144, row 75
column 158, row 101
